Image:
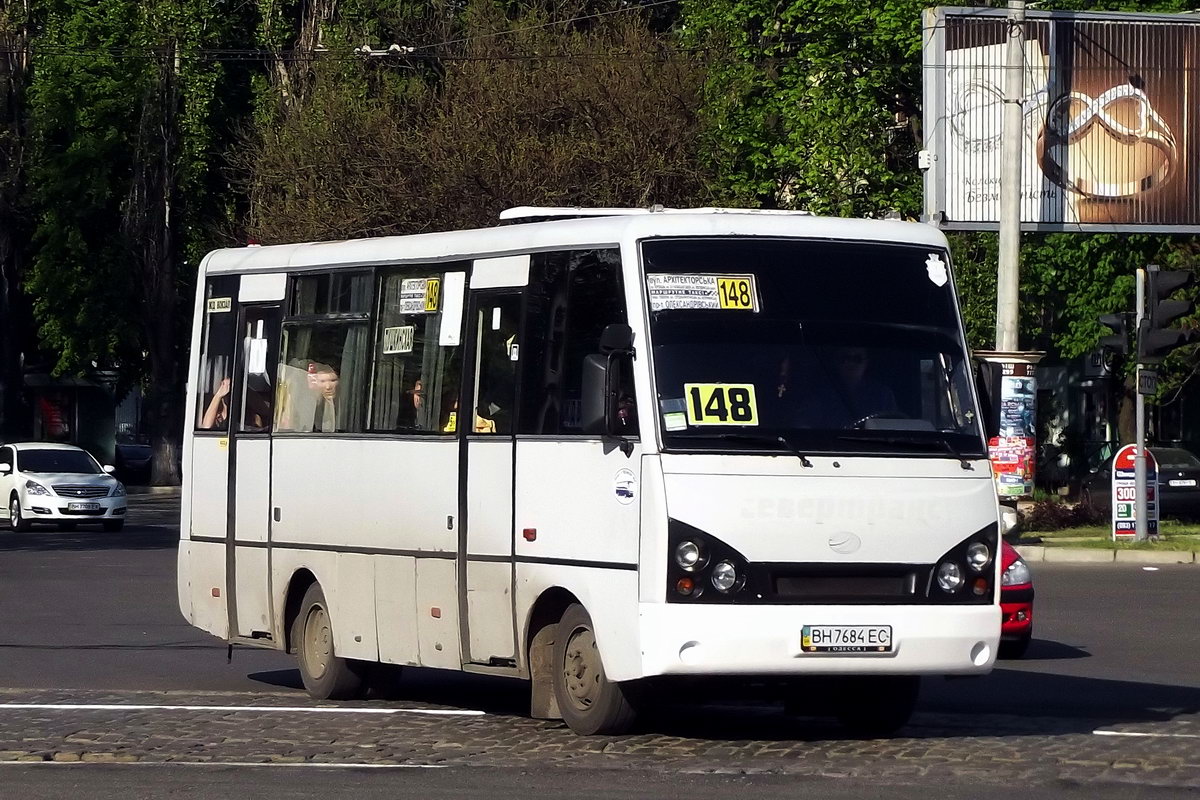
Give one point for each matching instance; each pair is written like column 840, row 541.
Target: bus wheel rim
column 581, row 669
column 317, row 641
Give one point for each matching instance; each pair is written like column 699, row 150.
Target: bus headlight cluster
column 965, row 573
column 701, row 568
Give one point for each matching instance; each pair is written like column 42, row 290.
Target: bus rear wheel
column 877, row 706
column 326, row 676
column 589, row 702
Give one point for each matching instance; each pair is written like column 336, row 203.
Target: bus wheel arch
column 297, row 586
column 326, row 675
column 590, row 702
column 540, row 635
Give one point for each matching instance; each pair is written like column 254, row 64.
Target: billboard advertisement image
column 1109, row 136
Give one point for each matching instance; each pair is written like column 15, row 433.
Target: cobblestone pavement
column 988, row 749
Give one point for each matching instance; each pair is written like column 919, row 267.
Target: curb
column 1082, row 555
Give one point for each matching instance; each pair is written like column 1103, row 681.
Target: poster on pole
column 1124, row 494
column 1013, row 450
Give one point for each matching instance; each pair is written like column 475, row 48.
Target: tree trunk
column 1127, row 412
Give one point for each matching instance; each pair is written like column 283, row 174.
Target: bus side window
column 323, row 362
column 216, row 360
column 572, row 296
column 415, row 379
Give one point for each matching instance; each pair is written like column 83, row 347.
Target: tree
column 15, row 228
column 125, row 118
column 811, row 104
column 509, row 111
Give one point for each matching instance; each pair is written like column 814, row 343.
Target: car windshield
column 73, row 461
column 1175, row 458
column 816, row 346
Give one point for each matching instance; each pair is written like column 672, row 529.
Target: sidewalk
column 1035, row 553
column 159, row 490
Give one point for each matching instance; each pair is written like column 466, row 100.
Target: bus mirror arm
column 600, row 398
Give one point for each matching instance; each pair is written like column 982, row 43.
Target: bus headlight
column 724, row 576
column 949, row 577
column 978, row 556
column 689, row 556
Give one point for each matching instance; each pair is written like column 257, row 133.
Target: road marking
column 440, row 712
column 1149, row 735
column 333, row 765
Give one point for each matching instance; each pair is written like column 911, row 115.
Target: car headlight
column 1016, row 574
column 118, row 490
column 724, row 576
column 33, row 487
column 949, row 576
column 689, row 556
column 978, row 556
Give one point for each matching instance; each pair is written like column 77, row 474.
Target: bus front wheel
column 326, row 676
column 589, row 702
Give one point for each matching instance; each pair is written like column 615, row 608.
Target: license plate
column 1190, row 482
column 846, row 639
column 83, row 506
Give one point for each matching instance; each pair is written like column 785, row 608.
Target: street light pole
column 1012, row 134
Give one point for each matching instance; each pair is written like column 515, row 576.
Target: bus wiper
column 894, row 438
column 760, row 438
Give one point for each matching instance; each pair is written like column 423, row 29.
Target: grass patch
column 1185, row 544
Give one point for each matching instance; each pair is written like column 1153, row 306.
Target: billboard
column 1110, row 131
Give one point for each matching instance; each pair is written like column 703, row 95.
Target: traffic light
column 1155, row 339
column 1118, row 342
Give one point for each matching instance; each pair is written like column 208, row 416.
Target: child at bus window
column 325, row 383
column 217, row 413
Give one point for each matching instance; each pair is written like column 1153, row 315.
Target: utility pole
column 1140, row 506
column 1011, row 138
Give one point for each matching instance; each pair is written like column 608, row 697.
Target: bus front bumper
column 712, row 639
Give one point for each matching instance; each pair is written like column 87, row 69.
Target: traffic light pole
column 1141, row 507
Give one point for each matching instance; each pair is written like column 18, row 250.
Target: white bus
column 595, row 453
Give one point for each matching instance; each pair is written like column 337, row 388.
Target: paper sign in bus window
column 702, row 292
column 218, row 305
column 420, row 295
column 398, row 340
column 721, row 403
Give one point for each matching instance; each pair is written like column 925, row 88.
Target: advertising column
column 1013, row 447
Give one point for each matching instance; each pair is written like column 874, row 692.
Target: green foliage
column 811, row 104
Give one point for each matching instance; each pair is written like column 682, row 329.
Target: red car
column 1016, row 601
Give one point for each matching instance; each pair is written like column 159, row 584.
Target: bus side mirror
column 595, row 403
column 617, row 338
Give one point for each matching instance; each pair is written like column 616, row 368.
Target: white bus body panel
column 251, row 515
column 713, row 639
column 489, row 533
column 396, row 609
column 567, row 492
column 390, row 498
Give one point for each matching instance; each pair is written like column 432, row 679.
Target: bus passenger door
column 248, row 538
column 486, row 555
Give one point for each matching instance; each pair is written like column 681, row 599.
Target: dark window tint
column 572, row 297
column 5, row 456
column 331, row 293
column 216, row 348
column 497, row 353
column 72, row 461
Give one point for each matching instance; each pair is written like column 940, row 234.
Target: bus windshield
column 816, row 346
